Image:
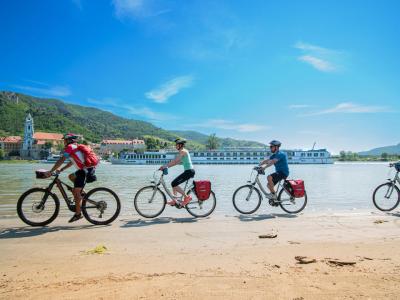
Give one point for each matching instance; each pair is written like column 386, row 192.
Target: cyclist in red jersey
column 85, row 172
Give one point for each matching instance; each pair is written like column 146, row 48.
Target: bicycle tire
column 290, row 211
column 377, row 189
column 22, row 216
column 140, row 211
column 236, row 206
column 192, row 211
column 85, row 206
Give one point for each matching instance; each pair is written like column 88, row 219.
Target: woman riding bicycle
column 183, row 158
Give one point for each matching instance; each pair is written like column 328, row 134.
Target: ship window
column 164, row 156
column 303, row 154
column 322, row 154
column 228, row 154
column 215, row 154
column 248, row 158
column 309, row 154
column 201, row 154
column 221, row 154
column 221, row 158
column 234, row 154
column 316, row 154
column 214, row 158
column 208, row 154
column 235, row 158
column 208, row 158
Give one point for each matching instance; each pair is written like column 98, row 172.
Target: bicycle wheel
column 101, row 206
column 201, row 208
column 386, row 196
column 150, row 201
column 37, row 207
column 246, row 199
column 291, row 204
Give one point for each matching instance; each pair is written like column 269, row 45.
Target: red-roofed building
column 115, row 146
column 11, row 145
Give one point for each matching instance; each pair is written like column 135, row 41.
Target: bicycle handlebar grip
column 165, row 171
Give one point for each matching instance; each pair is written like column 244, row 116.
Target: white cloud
column 318, row 63
column 46, row 90
column 351, row 108
column 143, row 111
column 169, row 88
column 320, row 58
column 136, row 9
column 230, row 125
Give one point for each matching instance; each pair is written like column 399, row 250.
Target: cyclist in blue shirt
column 279, row 159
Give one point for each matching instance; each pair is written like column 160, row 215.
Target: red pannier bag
column 297, row 188
column 202, row 189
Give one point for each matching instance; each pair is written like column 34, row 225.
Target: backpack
column 91, row 159
column 202, row 189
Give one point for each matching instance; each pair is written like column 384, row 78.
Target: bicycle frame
column 393, row 181
column 161, row 182
column 60, row 185
column 257, row 181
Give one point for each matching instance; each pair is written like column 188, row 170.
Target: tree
column 384, row 156
column 48, row 145
column 1, row 154
column 212, row 142
column 342, row 155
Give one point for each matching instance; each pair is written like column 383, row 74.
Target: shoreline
column 206, row 258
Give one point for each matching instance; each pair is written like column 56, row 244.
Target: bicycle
column 150, row 201
column 386, row 196
column 247, row 198
column 40, row 206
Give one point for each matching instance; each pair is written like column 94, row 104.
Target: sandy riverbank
column 202, row 259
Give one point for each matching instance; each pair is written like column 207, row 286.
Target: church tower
column 28, row 137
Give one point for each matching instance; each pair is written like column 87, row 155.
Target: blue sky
column 297, row 71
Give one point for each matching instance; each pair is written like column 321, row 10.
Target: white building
column 108, row 147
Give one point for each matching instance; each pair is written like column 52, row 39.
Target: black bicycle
column 386, row 196
column 40, row 206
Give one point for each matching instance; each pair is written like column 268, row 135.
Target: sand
column 219, row 257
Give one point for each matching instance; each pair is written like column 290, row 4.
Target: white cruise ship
column 225, row 156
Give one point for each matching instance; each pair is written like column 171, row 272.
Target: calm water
column 330, row 188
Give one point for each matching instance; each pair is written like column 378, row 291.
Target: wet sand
column 214, row 258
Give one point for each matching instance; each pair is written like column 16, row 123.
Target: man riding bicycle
column 279, row 159
column 183, row 158
column 84, row 160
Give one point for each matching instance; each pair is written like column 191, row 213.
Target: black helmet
column 70, row 137
column 180, row 141
column 275, row 143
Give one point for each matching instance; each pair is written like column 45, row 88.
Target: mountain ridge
column 54, row 115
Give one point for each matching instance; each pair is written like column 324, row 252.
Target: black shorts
column 83, row 176
column 183, row 177
column 276, row 177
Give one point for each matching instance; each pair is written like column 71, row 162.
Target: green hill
column 223, row 142
column 51, row 115
column 391, row 150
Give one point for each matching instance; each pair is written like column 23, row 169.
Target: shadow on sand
column 249, row 218
column 156, row 221
column 396, row 214
column 26, row 231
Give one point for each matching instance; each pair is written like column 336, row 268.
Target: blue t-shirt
column 281, row 166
